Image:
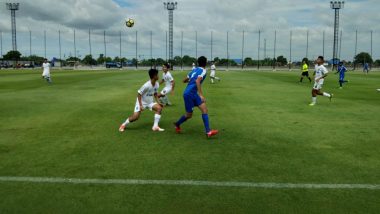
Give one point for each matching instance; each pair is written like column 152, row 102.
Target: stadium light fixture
column 13, row 7
column 170, row 6
column 336, row 5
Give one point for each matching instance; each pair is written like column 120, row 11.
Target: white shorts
column 145, row 106
column 318, row 85
column 166, row 90
column 212, row 74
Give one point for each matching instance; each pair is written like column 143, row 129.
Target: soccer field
column 271, row 146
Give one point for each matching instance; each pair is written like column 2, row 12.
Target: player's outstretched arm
column 139, row 98
column 173, row 85
column 161, row 81
column 156, row 97
column 186, row 80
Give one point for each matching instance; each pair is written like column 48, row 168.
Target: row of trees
column 186, row 60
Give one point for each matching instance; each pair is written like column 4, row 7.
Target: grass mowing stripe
column 188, row 183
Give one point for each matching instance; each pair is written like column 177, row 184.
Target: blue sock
column 181, row 120
column 206, row 122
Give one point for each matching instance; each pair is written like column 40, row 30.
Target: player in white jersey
column 320, row 73
column 212, row 73
column 167, row 78
column 46, row 71
column 145, row 100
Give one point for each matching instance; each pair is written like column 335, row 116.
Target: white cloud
column 218, row 16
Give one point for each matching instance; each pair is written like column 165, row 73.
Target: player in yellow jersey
column 305, row 71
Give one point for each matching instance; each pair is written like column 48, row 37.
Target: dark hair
column 321, row 57
column 167, row 65
column 202, row 61
column 153, row 72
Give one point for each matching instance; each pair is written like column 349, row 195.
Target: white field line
column 11, row 179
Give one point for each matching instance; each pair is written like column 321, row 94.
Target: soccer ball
column 129, row 22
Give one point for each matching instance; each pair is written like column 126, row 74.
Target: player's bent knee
column 189, row 115
column 157, row 108
column 203, row 108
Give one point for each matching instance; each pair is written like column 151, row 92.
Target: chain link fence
column 231, row 49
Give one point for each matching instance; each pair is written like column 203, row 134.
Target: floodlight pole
column 336, row 6
column 13, row 7
column 170, row 6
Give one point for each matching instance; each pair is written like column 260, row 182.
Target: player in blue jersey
column 193, row 97
column 366, row 68
column 342, row 71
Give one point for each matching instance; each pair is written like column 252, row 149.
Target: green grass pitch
column 268, row 133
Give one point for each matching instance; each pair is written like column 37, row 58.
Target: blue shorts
column 341, row 77
column 191, row 100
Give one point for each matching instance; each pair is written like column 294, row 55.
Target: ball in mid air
column 129, row 22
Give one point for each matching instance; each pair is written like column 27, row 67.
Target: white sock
column 157, row 118
column 212, row 80
column 167, row 100
column 326, row 94
column 217, row 78
column 126, row 122
column 314, row 100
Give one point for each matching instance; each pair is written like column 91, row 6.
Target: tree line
column 186, row 60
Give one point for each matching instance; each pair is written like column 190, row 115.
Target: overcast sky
column 215, row 16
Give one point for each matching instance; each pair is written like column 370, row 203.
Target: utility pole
column 274, row 50
column 60, row 47
column 228, row 55
column 242, row 51
column 30, row 42
column 258, row 51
